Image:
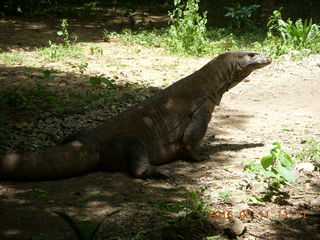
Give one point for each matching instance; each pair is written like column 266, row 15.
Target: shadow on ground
column 26, row 207
column 25, row 33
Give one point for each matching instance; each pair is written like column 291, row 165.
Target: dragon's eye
column 252, row 54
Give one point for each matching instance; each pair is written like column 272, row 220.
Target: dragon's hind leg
column 127, row 152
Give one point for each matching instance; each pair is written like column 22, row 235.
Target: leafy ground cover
column 51, row 90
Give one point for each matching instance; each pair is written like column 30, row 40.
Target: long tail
column 53, row 163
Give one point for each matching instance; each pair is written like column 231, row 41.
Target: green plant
column 68, row 48
column 309, row 152
column 300, row 34
column 241, row 15
column 193, row 201
column 31, row 99
column 12, row 58
column 57, row 51
column 98, row 80
column 152, row 37
column 4, row 134
column 47, row 75
column 89, row 7
column 83, row 231
column 276, row 169
column 95, row 50
column 224, row 194
column 187, row 33
column 82, row 67
column 64, row 32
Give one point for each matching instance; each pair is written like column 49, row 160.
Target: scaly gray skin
column 151, row 133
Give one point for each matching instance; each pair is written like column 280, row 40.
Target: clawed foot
column 158, row 172
column 153, row 172
column 199, row 157
column 191, row 155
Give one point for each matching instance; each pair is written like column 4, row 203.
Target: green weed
column 106, row 94
column 58, row 51
column 224, row 193
column 83, row 231
column 187, row 33
column 4, row 134
column 67, row 48
column 29, row 99
column 95, row 50
column 241, row 15
column 149, row 38
column 309, row 152
column 298, row 35
column 64, row 33
column 276, row 169
column 12, row 58
column 98, row 80
column 194, row 201
column 47, row 74
column 82, row 67
column 90, row 7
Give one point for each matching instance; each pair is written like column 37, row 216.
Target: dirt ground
column 277, row 103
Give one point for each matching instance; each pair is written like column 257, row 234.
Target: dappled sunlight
column 114, row 57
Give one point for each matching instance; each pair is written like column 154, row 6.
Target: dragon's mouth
column 259, row 60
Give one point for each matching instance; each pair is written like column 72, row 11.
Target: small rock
column 233, row 200
column 298, row 203
column 239, row 208
column 49, row 121
column 306, row 167
column 258, row 187
column 315, row 202
column 237, row 197
column 244, row 184
column 235, row 228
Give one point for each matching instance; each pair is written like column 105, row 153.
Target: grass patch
column 219, row 40
column 30, row 99
column 298, row 39
column 67, row 48
column 150, row 38
column 12, row 58
column 59, row 51
column 310, row 151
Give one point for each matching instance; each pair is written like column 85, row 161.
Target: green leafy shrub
column 294, row 35
column 64, row 32
column 276, row 169
column 98, row 80
column 29, row 7
column 241, row 15
column 277, row 166
column 187, row 33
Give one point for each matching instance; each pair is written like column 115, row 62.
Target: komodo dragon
column 151, row 133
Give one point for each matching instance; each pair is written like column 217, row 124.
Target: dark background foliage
column 294, row 9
